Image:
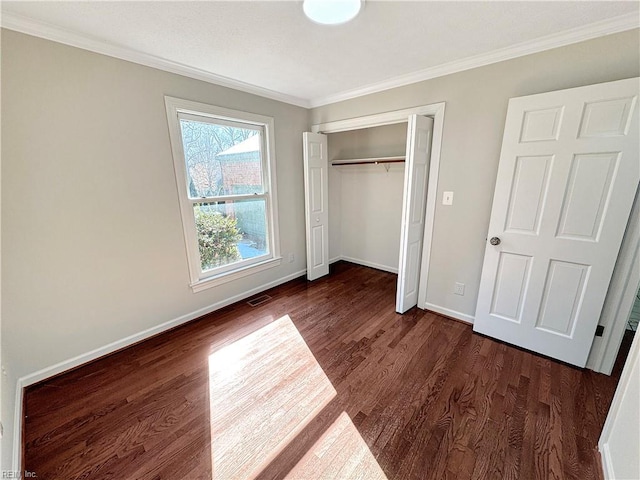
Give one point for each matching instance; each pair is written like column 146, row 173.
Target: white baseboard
column 335, row 259
column 76, row 361
column 366, row 263
column 450, row 313
column 16, row 454
column 605, row 456
column 617, row 422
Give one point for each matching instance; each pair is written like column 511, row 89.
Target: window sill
column 216, row 280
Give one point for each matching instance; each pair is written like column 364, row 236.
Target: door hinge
column 599, row 330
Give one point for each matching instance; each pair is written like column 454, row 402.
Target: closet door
column 316, row 201
column 414, row 201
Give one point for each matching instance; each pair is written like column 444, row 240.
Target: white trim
column 176, row 108
column 335, row 259
column 55, row 33
column 575, row 35
column 78, row 360
column 137, row 337
column 376, row 120
column 620, row 297
column 365, row 263
column 605, row 457
column 463, row 317
column 58, row 34
column 614, row 410
column 16, row 454
column 226, row 277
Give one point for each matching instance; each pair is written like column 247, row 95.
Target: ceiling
column 270, row 48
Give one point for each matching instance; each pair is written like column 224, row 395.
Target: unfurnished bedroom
column 320, row 240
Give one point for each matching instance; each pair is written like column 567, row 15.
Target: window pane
column 221, row 159
column 229, row 232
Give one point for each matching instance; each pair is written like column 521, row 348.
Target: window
column 224, row 166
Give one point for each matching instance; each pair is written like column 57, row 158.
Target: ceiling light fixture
column 331, row 12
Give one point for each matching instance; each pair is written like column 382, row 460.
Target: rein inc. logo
column 17, row 474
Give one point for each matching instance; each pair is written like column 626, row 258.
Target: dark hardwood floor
column 354, row 390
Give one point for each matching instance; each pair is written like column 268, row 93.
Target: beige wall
column 93, row 248
column 476, row 104
column 370, row 214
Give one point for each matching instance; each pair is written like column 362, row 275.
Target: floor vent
column 254, row 302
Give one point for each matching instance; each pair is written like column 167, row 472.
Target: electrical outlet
column 292, row 258
column 458, row 288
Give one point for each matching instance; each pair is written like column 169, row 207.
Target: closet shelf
column 369, row 160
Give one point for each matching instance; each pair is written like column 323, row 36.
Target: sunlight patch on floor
column 340, row 453
column 263, row 389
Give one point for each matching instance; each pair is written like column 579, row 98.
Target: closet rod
column 364, row 161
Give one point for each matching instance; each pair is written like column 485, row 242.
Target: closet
column 366, row 180
column 366, row 199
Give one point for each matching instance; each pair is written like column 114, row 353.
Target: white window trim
column 198, row 282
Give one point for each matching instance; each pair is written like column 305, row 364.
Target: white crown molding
column 57, row 34
column 575, row 35
column 54, row 33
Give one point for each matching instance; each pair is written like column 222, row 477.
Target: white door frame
column 621, row 398
column 620, row 297
column 435, row 110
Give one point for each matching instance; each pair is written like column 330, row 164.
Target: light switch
column 447, row 198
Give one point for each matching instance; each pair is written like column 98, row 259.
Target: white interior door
column 416, row 176
column 567, row 177
column 316, row 202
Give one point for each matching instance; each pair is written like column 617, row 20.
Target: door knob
column 494, row 241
